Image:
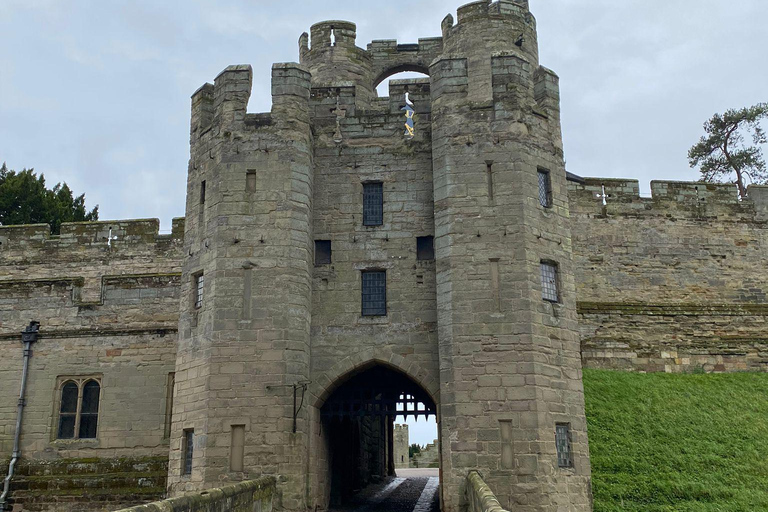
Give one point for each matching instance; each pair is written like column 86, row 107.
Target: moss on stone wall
column 254, row 495
column 88, row 483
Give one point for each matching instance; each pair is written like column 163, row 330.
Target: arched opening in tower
column 382, row 87
column 367, row 450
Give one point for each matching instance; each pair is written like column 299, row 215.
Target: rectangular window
column 78, row 404
column 237, row 448
column 373, row 204
column 187, row 451
column 322, row 252
column 545, row 188
column 250, row 181
column 199, row 284
column 202, row 192
column 425, row 248
column 507, row 447
column 549, row 289
column 563, row 443
column 375, row 293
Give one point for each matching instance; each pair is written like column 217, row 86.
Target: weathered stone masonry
column 670, row 283
column 470, row 327
column 676, row 282
column 109, row 310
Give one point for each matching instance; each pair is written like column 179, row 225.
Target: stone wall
column 108, row 310
column 250, row 496
column 428, row 457
column 479, row 496
column 401, row 444
column 671, row 283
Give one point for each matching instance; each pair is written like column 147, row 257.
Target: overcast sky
column 96, row 92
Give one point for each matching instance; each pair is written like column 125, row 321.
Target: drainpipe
column 28, row 337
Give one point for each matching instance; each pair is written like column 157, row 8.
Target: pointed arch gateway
column 356, row 413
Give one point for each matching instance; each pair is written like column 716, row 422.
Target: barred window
column 563, row 443
column 374, row 293
column 549, row 290
column 199, row 286
column 187, row 451
column 425, row 248
column 373, row 204
column 322, row 252
column 545, row 188
column 78, row 408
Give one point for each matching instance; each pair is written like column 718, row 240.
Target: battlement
column 333, row 33
column 401, row 428
column 107, row 235
column 622, row 197
column 223, row 105
column 489, row 8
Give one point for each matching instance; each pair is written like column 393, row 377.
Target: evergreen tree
column 722, row 155
column 24, row 199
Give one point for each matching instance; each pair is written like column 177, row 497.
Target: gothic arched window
column 79, row 408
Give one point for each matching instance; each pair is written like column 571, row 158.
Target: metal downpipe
column 28, row 336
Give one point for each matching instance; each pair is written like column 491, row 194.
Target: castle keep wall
column 109, row 311
column 672, row 283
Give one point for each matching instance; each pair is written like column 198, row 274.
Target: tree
column 24, row 199
column 721, row 154
column 413, row 450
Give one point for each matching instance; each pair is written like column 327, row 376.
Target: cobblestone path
column 413, row 494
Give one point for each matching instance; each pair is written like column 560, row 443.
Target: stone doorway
column 358, row 418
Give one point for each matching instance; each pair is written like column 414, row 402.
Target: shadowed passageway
column 412, row 490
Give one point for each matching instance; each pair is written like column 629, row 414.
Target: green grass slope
column 663, row 442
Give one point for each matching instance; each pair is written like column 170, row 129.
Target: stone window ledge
column 74, row 444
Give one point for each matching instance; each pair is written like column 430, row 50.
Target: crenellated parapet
column 487, row 27
column 221, row 108
column 606, row 197
column 94, row 277
column 97, row 239
column 334, row 60
column 331, row 56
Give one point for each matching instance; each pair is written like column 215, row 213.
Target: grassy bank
column 678, row 442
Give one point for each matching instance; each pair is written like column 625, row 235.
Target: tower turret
column 245, row 314
column 512, row 403
column 333, row 58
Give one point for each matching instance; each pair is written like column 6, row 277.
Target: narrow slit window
column 202, row 192
column 489, row 177
column 322, row 252
column 188, row 451
column 170, row 384
column 545, row 188
column 199, row 283
column 373, row 204
column 374, row 293
column 563, row 443
column 425, row 248
column 549, row 284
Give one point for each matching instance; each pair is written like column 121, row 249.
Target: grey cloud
column 97, row 93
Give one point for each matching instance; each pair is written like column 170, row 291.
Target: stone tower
column 244, row 336
column 510, row 368
column 275, row 349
